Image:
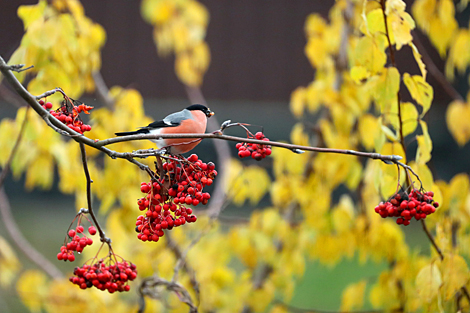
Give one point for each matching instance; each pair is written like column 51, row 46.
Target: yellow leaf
column 457, row 118
column 297, row 101
column 43, row 33
column 428, row 281
column 424, row 173
column 455, row 274
column 343, row 214
column 389, row 133
column 30, row 13
column 9, row 264
column 40, row 172
column 423, row 11
column 314, row 25
column 359, row 73
column 249, row 183
column 298, row 136
column 401, row 23
column 315, row 94
column 387, row 86
column 409, row 115
column 32, row 288
column 423, row 153
column 375, row 22
column 370, row 53
column 419, row 60
column 459, row 56
column 353, row 296
column 420, row 90
column 354, row 176
column 437, row 20
column 317, row 52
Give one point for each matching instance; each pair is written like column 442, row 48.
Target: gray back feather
column 177, row 117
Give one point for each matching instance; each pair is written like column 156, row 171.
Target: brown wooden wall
column 256, row 46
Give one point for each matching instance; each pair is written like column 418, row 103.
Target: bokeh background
column 257, row 60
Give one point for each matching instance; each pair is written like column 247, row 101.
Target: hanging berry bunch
column 106, row 274
column 405, row 206
column 68, row 113
column 76, row 240
column 177, row 183
column 257, row 151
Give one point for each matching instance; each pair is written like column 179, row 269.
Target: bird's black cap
column 202, row 108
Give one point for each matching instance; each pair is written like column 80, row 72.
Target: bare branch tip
column 19, row 68
column 83, row 210
column 298, row 151
column 225, row 124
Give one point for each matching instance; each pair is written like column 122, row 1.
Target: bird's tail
column 140, row 131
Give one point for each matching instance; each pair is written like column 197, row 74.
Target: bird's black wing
column 160, row 124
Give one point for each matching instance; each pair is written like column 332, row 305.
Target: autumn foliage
column 356, row 99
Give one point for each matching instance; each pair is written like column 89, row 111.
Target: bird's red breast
column 196, row 125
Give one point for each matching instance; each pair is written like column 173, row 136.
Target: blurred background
column 257, row 60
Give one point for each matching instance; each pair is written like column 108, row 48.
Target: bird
column 192, row 120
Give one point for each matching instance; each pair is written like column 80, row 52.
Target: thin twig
column 433, row 242
column 392, row 59
column 217, row 135
column 19, row 68
column 181, row 257
column 99, row 144
column 103, row 237
column 150, row 288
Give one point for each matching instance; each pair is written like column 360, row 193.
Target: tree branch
column 392, row 59
column 90, row 211
column 17, row 237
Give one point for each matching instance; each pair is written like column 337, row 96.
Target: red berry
column 92, row 230
column 259, row 135
column 145, row 188
column 80, row 229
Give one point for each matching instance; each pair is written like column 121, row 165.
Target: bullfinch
column 192, row 120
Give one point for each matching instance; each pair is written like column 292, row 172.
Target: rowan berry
column 257, row 151
column 415, row 204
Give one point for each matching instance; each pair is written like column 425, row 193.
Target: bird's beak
column 210, row 114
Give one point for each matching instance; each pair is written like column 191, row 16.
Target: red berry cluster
column 69, row 115
column 257, row 151
column 178, row 183
column 111, row 277
column 406, row 206
column 76, row 243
